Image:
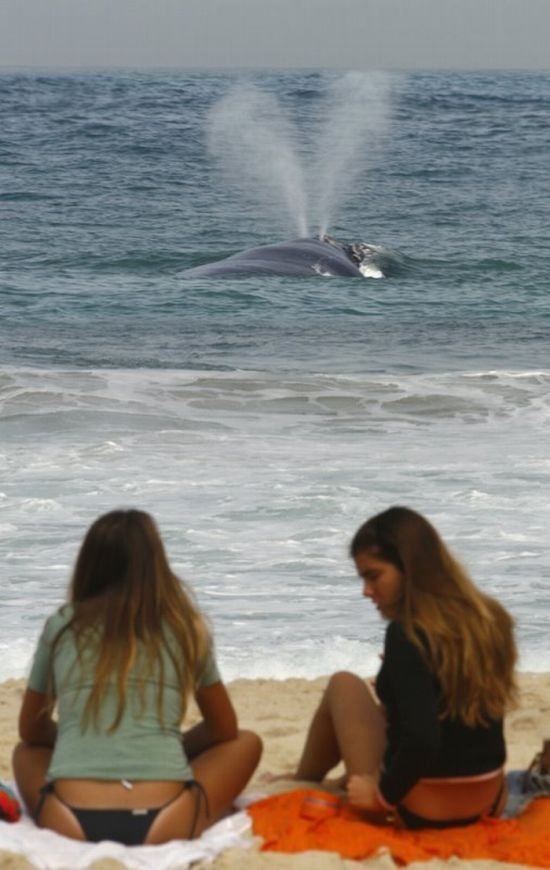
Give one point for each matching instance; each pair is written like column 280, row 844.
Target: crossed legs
column 223, row 771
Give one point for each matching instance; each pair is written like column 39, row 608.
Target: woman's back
column 422, row 741
column 146, row 744
column 121, row 660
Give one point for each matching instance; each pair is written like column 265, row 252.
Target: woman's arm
column 219, row 722
column 36, row 725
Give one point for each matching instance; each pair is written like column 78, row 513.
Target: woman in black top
column 427, row 748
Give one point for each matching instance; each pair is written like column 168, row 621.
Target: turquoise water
column 260, row 420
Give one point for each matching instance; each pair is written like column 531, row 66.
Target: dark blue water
column 108, row 191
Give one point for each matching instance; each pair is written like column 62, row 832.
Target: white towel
column 50, row 851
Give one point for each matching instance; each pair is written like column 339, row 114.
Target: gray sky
column 402, row 34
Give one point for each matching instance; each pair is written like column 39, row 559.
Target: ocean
column 262, row 419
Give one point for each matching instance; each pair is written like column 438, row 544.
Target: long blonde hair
column 466, row 637
column 124, row 596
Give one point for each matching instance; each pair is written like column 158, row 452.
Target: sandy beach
column 280, row 711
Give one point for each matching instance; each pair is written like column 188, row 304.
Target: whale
column 306, row 257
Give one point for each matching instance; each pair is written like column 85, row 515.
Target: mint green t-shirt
column 143, row 747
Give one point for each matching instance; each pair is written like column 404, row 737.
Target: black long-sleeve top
column 421, row 743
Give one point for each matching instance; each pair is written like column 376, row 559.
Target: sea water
column 261, row 420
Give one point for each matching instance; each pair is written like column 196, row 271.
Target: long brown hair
column 466, row 636
column 124, row 595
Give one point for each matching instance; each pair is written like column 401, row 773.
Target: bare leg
column 349, row 726
column 223, row 770
column 30, row 764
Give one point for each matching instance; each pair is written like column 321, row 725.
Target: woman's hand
column 363, row 794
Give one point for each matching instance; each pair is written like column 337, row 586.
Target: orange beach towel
column 278, row 819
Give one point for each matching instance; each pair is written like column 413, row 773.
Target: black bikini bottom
column 414, row 822
column 127, row 826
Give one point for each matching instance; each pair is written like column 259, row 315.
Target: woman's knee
column 224, row 770
column 344, row 681
column 238, row 758
column 252, row 743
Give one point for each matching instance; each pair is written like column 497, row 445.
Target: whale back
column 307, row 257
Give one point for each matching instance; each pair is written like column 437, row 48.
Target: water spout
column 256, row 144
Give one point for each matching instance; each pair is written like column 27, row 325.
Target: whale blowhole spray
column 258, row 147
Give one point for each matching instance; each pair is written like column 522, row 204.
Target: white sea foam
column 370, row 271
column 304, row 658
column 16, row 657
column 259, row 480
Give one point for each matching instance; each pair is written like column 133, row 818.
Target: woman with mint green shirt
column 121, row 661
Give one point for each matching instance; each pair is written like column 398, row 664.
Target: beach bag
column 10, row 808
